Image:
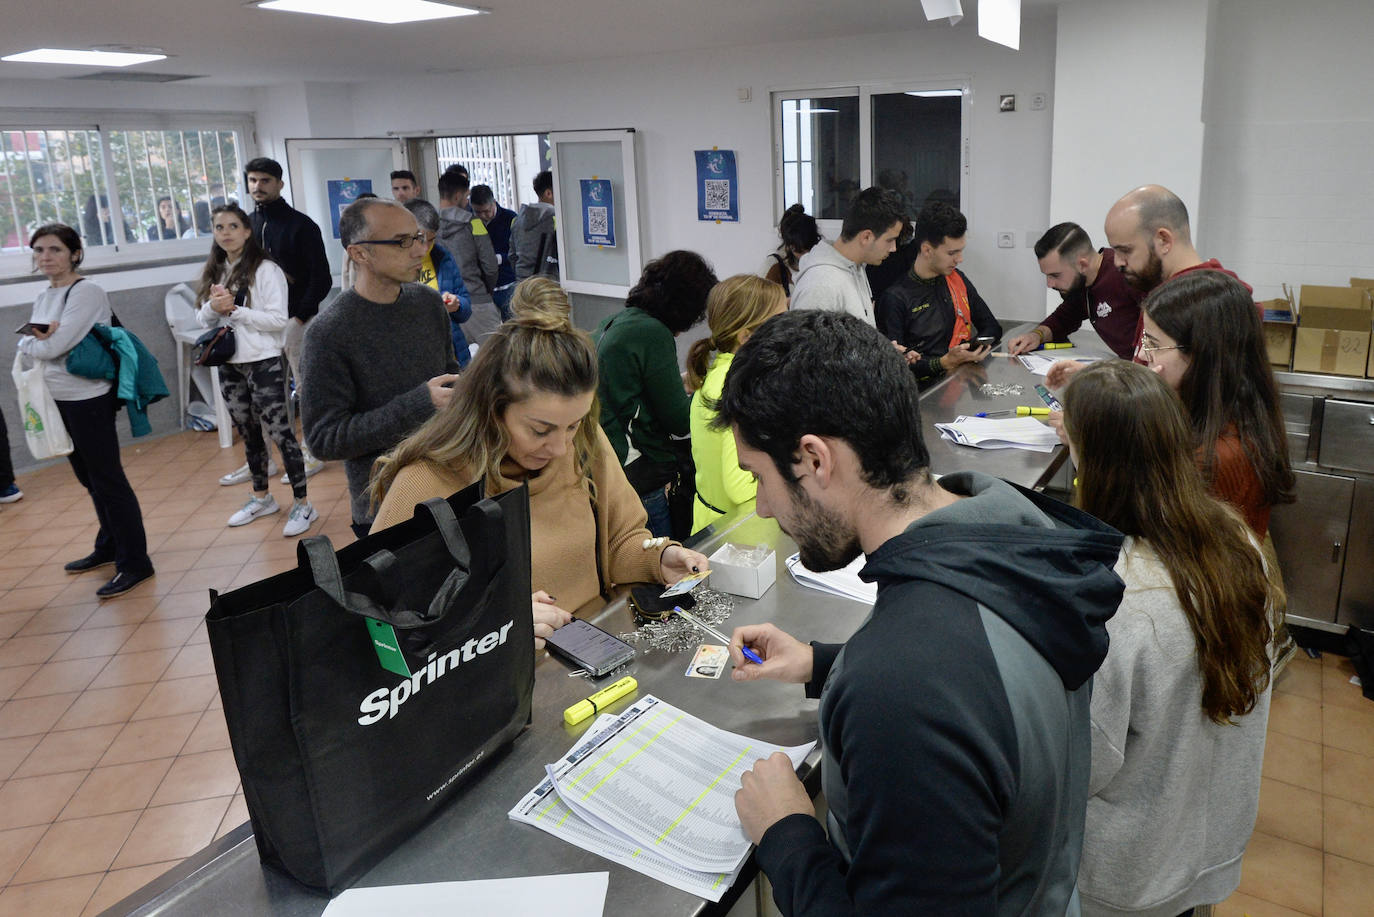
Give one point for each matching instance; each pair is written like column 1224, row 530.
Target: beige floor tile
column 104, row 705
column 1240, row 905
column 210, row 734
column 1297, row 716
column 198, row 636
column 172, row 832
column 229, row 555
column 126, row 609
column 235, row 816
column 15, row 846
column 1283, row 872
column 1293, row 760
column 119, row 884
column 194, row 659
column 14, row 751
column 180, row 605
column 31, row 555
column 13, row 678
column 1290, row 812
column 33, row 715
column 99, row 641
column 58, row 536
column 61, row 620
column 1349, row 888
column 154, row 635
column 36, row 800
column 55, row 898
column 117, row 788
column 49, row 574
column 80, row 590
column 1349, row 830
column 135, row 668
column 34, row 650
column 69, row 750
column 12, row 622
column 1337, row 689
column 29, row 598
column 182, row 695
column 1345, row 775
column 145, row 740
column 62, row 677
column 186, row 539
column 77, row 847
column 201, row 776
column 1349, row 728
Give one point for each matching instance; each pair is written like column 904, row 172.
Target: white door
column 326, row 175
column 598, row 239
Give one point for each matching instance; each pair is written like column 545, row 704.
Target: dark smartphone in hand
column 984, row 341
column 31, row 327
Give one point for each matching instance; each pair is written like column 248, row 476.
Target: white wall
column 1129, row 80
column 1289, row 175
column 682, row 102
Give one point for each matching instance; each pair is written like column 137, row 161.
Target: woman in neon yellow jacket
column 736, row 307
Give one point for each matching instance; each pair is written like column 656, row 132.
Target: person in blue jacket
column 440, row 271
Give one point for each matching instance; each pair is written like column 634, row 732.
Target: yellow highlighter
column 1021, row 411
column 601, row 699
column 1053, row 346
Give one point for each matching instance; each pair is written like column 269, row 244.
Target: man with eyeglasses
column 379, row 362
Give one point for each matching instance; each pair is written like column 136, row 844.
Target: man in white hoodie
column 832, row 277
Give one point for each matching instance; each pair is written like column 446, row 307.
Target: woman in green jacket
column 736, row 307
column 643, row 401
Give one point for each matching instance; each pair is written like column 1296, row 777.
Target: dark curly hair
column 673, row 289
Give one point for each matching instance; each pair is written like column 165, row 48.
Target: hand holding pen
column 784, row 657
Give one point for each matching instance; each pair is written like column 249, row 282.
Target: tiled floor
column 114, row 759
column 115, row 764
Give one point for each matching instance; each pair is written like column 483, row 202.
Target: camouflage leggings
column 255, row 394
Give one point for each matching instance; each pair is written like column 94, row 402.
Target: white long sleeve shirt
column 260, row 327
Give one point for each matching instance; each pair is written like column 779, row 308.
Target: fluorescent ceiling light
column 952, row 10
column 386, row 12
column 1000, row 21
column 82, row 58
column 936, row 93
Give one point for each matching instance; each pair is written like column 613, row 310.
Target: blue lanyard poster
column 343, row 192
column 717, row 186
column 598, row 213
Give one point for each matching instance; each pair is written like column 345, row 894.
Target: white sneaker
column 255, row 507
column 241, row 474
column 301, row 517
column 313, row 466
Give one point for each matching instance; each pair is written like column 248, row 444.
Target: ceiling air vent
column 135, row 76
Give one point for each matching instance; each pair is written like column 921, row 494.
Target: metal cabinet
column 1310, row 537
column 1357, row 583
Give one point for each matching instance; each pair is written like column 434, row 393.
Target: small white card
column 709, row 662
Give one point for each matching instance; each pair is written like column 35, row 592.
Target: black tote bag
column 341, row 759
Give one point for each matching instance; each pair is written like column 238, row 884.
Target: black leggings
column 95, row 460
column 255, row 394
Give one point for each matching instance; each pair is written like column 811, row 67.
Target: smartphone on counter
column 31, row 327
column 589, row 647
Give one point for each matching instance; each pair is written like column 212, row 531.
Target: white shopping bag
column 43, row 428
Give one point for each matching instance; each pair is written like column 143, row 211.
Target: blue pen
column 693, row 619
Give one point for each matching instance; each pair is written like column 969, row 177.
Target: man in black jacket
column 294, row 242
column 935, row 310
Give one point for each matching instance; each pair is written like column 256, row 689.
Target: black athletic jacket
column 294, row 242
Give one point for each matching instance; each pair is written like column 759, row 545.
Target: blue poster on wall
column 343, row 192
column 598, row 213
column 717, row 186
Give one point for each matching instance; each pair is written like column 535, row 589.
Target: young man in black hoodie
column 955, row 721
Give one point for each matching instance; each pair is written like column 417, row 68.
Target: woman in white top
column 1180, row 705
column 63, row 315
column 244, row 289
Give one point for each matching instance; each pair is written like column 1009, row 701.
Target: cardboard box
column 750, row 582
column 1366, row 283
column 1280, row 322
column 1333, row 331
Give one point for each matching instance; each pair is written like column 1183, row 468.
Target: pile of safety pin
column 675, row 634
column 1001, row 390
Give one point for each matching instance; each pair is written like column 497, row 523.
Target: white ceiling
column 229, row 44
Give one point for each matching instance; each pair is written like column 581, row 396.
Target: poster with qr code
column 717, row 186
column 598, row 213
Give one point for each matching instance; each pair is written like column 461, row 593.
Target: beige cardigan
column 562, row 531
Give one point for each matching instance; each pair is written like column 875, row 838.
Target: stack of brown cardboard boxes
column 1329, row 335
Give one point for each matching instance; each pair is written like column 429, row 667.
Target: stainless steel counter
column 473, row 838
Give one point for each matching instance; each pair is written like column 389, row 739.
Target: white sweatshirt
column 828, row 280
column 1173, row 795
column 260, row 328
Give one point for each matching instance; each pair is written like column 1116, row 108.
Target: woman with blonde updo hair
column 524, row 412
column 734, row 309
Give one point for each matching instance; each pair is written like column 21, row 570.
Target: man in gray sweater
column 380, row 357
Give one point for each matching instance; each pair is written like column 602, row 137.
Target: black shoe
column 89, row 562
column 122, row 583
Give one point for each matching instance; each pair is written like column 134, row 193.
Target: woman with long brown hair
column 1180, row 705
column 735, row 307
column 524, row 412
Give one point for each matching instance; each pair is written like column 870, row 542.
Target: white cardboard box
column 747, row 582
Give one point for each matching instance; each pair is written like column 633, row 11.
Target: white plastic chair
column 180, row 307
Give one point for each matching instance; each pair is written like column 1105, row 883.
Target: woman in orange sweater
column 524, row 412
column 1203, row 337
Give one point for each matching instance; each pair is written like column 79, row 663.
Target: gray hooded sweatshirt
column 533, row 246
column 828, row 280
column 466, row 238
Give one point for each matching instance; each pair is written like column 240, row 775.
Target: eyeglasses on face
column 403, row 243
column 1147, row 349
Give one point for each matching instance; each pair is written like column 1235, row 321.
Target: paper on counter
column 1000, row 433
column 580, row 894
column 844, row 582
column 1040, row 364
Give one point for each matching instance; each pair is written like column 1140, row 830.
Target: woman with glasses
column 1180, row 705
column 1202, row 336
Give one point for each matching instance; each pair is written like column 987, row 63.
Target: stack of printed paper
column 844, row 582
column 654, row 789
column 1000, row 433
